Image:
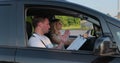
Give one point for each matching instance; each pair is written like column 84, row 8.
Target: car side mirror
column 105, row 47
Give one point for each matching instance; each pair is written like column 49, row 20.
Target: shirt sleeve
column 35, row 42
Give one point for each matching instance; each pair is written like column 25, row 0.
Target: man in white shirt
column 38, row 39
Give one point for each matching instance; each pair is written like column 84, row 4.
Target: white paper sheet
column 77, row 43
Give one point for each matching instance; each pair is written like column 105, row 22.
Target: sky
column 104, row 6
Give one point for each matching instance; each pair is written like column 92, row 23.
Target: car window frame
column 100, row 18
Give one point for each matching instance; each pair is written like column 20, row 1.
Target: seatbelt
column 44, row 43
column 40, row 40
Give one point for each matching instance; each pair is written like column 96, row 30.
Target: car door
column 42, row 55
column 36, row 55
column 7, row 54
column 7, row 32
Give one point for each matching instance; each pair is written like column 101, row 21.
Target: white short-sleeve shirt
column 39, row 41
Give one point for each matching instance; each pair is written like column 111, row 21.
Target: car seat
column 28, row 29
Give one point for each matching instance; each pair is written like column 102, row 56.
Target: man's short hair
column 36, row 20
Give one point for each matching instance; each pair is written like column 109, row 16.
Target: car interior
column 93, row 29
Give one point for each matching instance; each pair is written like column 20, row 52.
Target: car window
column 116, row 33
column 77, row 23
column 6, row 25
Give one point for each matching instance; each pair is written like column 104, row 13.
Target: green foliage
column 69, row 22
column 29, row 19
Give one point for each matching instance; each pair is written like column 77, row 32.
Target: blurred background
column 109, row 7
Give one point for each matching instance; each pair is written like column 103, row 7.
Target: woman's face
column 59, row 25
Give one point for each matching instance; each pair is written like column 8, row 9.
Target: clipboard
column 77, row 43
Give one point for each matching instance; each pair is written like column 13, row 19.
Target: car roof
column 32, row 0
column 97, row 13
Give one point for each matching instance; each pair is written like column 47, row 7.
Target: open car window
column 76, row 25
column 77, row 22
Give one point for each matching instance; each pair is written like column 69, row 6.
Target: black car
column 100, row 47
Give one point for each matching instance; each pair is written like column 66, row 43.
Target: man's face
column 45, row 26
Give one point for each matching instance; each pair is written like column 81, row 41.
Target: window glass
column 78, row 25
column 74, row 24
column 7, row 26
column 116, row 33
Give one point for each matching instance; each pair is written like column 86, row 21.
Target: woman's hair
column 53, row 26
